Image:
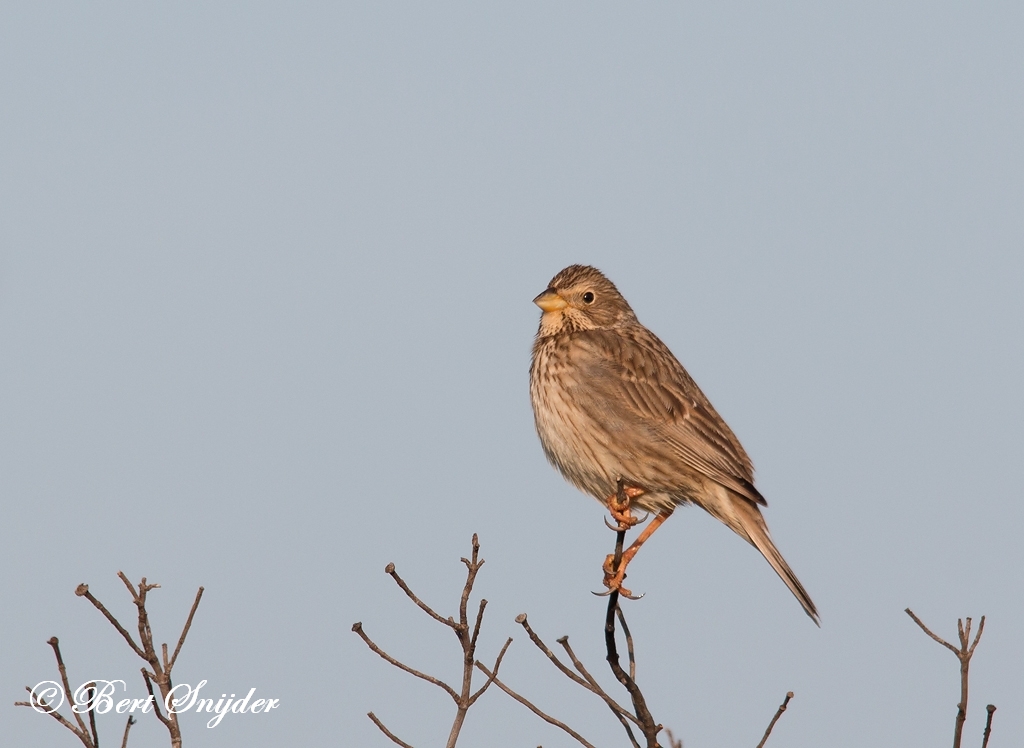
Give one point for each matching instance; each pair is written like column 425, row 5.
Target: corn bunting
column 618, row 415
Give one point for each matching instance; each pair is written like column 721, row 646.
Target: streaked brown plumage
column 611, row 402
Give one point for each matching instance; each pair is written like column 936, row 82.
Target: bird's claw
column 619, row 507
column 613, row 579
column 618, row 527
column 622, row 591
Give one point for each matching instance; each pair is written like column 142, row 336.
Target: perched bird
column 618, row 414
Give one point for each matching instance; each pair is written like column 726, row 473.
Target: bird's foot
column 613, row 578
column 619, row 507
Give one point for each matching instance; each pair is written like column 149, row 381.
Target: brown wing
column 632, row 383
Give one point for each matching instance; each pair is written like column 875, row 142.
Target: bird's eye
column 588, row 297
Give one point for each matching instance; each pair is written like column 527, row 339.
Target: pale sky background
column 265, row 318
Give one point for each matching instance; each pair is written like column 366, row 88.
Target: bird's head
column 581, row 298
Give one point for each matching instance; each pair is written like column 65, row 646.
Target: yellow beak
column 550, row 301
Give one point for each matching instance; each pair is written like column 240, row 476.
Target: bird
column 622, row 420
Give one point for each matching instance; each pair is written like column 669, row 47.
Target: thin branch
column 184, row 631
column 54, row 643
column 128, row 726
column 673, row 741
column 83, row 591
column 981, row 627
column 390, row 570
column 497, row 664
column 130, row 586
column 643, row 714
column 146, row 676
column 92, row 716
column 629, row 641
column 35, row 699
column 621, row 714
column 928, row 631
column 588, row 681
column 521, row 619
column 964, row 654
column 473, row 567
column 479, row 621
column 522, row 700
column 468, row 641
column 771, row 725
column 988, row 725
column 358, row 628
column 615, row 706
column 386, row 731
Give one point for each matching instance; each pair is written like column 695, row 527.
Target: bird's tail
column 753, row 527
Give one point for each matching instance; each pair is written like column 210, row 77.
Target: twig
column 390, row 571
column 771, row 725
column 991, row 708
column 490, row 680
column 673, row 741
column 83, row 591
column 358, row 628
column 643, row 714
column 92, row 690
column 386, row 731
column 525, row 702
column 629, row 641
column 55, row 645
column 147, row 677
column 184, row 631
column 127, row 726
column 594, row 686
column 620, row 712
column 964, row 654
column 522, row 620
column 587, row 681
column 466, row 697
column 35, row 701
column 160, row 668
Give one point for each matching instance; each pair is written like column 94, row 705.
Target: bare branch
column 35, row 699
column 522, row 620
column 497, row 664
column 386, row 731
column 358, row 628
column 146, row 676
column 977, row 638
column 54, row 643
column 472, row 567
column 479, row 621
column 92, row 715
column 673, row 741
column 643, row 714
column 130, row 586
column 83, row 591
column 988, row 725
column 629, row 641
column 390, row 570
column 615, row 706
column 771, row 725
column 127, row 726
column 928, row 631
column 964, row 654
column 550, row 720
column 184, row 631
